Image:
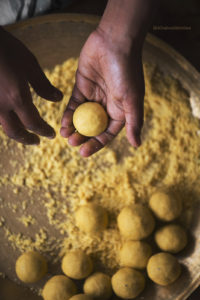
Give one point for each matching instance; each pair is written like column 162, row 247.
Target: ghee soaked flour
column 114, row 177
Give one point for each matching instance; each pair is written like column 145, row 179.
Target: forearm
column 127, row 20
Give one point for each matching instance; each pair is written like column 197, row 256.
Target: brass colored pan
column 53, row 39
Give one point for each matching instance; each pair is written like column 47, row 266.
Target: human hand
column 111, row 74
column 18, row 114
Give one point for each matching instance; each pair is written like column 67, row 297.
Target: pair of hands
column 108, row 73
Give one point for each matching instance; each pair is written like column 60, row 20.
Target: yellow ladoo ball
column 81, row 297
column 31, row 267
column 171, row 238
column 163, row 268
column 91, row 218
column 128, row 283
column 165, row 207
column 77, row 264
column 90, row 119
column 135, row 254
column 98, row 286
column 135, row 222
column 59, row 287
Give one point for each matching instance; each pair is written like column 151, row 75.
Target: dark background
column 185, row 13
column 182, row 13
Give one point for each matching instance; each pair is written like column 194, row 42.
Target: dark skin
column 18, row 114
column 109, row 72
column 114, row 79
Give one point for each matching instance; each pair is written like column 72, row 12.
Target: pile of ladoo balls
column 135, row 222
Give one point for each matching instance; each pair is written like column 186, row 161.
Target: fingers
column 40, row 83
column 15, row 129
column 76, row 139
column 134, row 111
column 30, row 117
column 96, row 143
column 90, row 147
column 67, row 120
column 76, row 99
column 67, row 131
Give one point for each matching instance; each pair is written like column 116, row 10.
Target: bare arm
column 125, row 20
column 18, row 114
column 110, row 72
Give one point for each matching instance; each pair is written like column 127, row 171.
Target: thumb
column 134, row 111
column 40, row 82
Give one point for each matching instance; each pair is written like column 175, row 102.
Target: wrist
column 125, row 44
column 126, row 21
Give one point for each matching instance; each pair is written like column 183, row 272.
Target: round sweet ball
column 77, row 264
column 163, row 268
column 98, row 286
column 90, row 119
column 135, row 222
column 128, row 283
column 171, row 238
column 59, row 287
column 91, row 218
column 135, row 254
column 31, row 267
column 81, row 297
column 165, row 207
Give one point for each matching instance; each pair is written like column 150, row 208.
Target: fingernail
column 35, row 144
column 57, row 94
column 51, row 136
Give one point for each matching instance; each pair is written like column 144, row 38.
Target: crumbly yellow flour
column 115, row 177
column 27, row 220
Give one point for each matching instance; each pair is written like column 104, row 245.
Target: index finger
column 96, row 143
column 67, row 127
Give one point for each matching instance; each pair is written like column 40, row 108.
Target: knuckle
column 14, row 94
column 120, row 94
column 15, row 97
column 19, row 102
column 86, row 86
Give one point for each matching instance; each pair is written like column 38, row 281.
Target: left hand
column 19, row 117
column 112, row 75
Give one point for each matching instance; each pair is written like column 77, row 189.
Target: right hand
column 110, row 74
column 18, row 114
